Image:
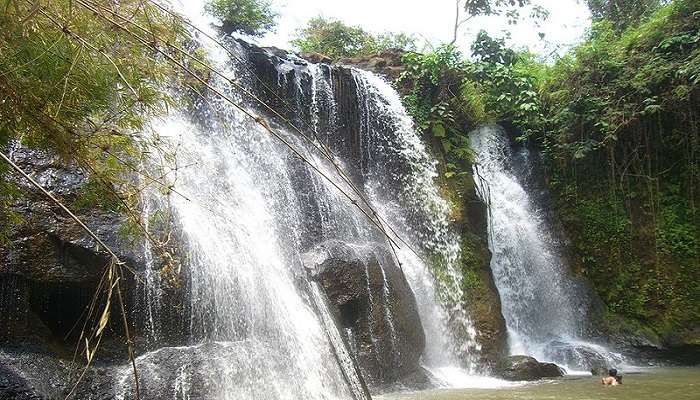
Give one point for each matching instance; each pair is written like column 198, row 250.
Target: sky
column 432, row 20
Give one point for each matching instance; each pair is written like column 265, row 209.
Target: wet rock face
column 524, row 368
column 31, row 374
column 49, row 274
column 482, row 301
column 282, row 80
column 49, row 246
column 374, row 306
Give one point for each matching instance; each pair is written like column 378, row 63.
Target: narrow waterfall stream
column 409, row 200
column 545, row 309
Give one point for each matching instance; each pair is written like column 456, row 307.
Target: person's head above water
column 612, row 379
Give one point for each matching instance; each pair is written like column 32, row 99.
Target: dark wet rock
column 49, row 246
column 420, row 379
column 50, row 270
column 643, row 346
column 580, row 356
column 375, row 306
column 197, row 372
column 282, row 80
column 49, row 273
column 33, row 374
column 524, row 368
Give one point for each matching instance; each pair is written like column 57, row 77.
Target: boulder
column 33, row 374
column 374, row 306
column 525, row 368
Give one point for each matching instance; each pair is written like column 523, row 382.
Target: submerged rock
column 525, row 368
column 582, row 356
column 374, row 306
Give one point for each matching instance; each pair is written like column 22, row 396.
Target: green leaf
column 438, row 130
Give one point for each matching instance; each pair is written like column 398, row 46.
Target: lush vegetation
column 448, row 95
column 621, row 139
column 617, row 121
column 622, row 13
column 334, row 39
column 79, row 80
column 249, row 17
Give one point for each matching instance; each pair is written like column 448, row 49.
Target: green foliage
column 623, row 13
column 249, row 17
column 472, row 264
column 94, row 193
column 510, row 8
column 392, row 40
column 492, row 51
column 677, row 235
column 513, row 82
column 445, row 103
column 74, row 84
column 9, row 194
column 653, row 67
column 336, row 40
column 490, row 7
column 619, row 130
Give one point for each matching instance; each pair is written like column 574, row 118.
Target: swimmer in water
column 613, row 379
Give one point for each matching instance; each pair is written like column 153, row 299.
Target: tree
column 494, row 51
column 476, row 8
column 249, row 17
column 391, row 40
column 622, row 13
column 335, row 39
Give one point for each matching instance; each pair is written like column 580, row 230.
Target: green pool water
column 648, row 384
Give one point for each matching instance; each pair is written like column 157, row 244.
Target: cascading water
column 407, row 197
column 248, row 211
column 544, row 308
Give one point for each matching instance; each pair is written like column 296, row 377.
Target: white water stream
column 241, row 201
column 545, row 310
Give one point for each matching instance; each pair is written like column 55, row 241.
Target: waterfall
column 246, row 210
column 544, row 307
column 408, row 198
